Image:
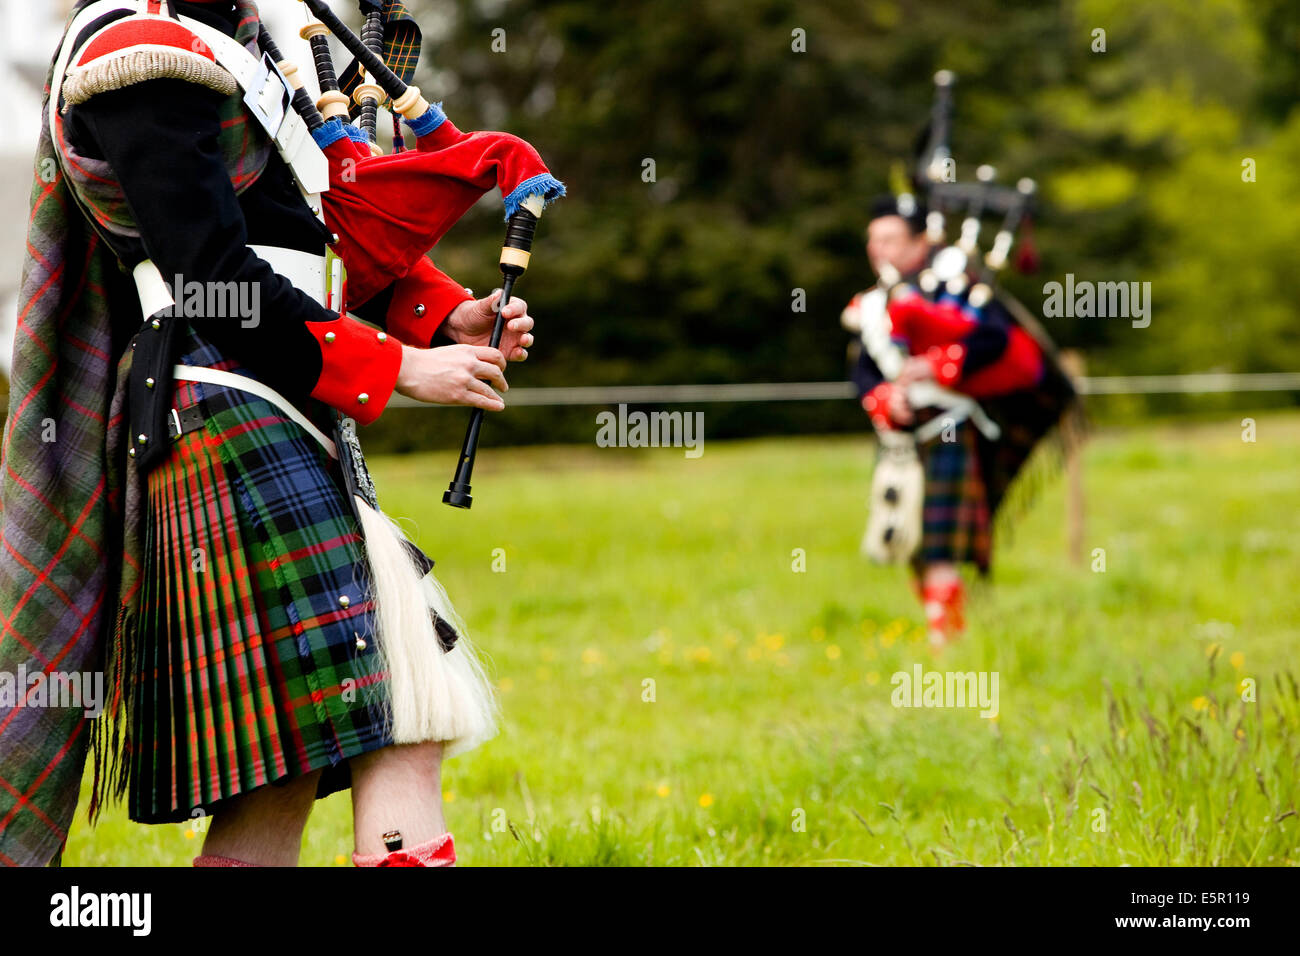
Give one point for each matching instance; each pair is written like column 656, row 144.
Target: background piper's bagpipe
column 955, row 270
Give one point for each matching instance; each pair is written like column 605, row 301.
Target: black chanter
column 515, row 254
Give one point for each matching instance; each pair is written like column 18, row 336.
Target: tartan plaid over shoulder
column 65, row 508
column 244, row 146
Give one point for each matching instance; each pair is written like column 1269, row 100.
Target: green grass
column 1119, row 691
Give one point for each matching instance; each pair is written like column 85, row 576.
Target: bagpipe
column 955, row 272
column 387, row 211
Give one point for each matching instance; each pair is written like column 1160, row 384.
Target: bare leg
column 397, row 788
column 264, row 826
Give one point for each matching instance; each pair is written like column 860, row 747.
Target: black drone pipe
column 372, row 35
column 332, row 103
column 406, row 99
column 938, row 149
column 389, row 81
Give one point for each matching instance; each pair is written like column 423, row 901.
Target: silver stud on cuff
column 344, row 600
column 329, row 337
column 382, row 336
column 419, row 311
column 363, row 398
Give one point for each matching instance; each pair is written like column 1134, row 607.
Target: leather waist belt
column 213, row 376
column 182, row 421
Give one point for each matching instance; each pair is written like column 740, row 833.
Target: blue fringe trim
column 330, row 133
column 356, row 135
column 433, row 118
column 545, row 185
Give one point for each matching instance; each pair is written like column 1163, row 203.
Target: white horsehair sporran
column 894, row 509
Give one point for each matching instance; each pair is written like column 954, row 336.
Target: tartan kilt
column 254, row 656
column 956, row 520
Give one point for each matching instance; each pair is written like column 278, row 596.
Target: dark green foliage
column 765, row 160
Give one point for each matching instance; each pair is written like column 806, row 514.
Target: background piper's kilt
column 956, row 521
column 967, row 480
column 254, row 656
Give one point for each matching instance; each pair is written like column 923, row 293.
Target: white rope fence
column 1191, row 384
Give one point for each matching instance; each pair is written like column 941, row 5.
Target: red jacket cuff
column 947, row 362
column 876, row 405
column 359, row 366
column 422, row 299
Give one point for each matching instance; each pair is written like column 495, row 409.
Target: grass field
column 1121, row 737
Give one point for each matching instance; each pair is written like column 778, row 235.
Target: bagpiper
column 959, row 382
column 186, row 510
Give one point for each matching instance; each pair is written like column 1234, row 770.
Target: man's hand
column 452, row 375
column 900, row 409
column 915, row 369
column 888, row 406
column 470, row 323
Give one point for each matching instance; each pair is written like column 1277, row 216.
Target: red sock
column 207, row 860
column 440, row 851
column 944, row 610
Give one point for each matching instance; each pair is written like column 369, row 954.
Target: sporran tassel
column 433, row 695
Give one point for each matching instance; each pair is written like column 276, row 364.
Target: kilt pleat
column 956, row 518
column 221, row 734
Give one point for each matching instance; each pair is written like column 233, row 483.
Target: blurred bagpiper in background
column 202, row 527
column 960, row 382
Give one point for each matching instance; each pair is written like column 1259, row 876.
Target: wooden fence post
column 1072, row 363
